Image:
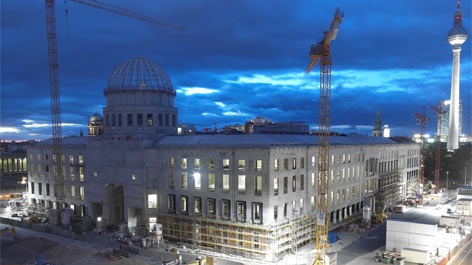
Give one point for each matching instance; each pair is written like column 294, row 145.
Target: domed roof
column 96, row 117
column 138, row 73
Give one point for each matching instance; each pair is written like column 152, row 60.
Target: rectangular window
column 241, row 183
column 171, row 162
column 120, row 122
column 40, row 188
column 257, row 213
column 152, row 201
column 294, row 183
column 258, row 185
column 332, row 197
column 225, row 182
column 72, row 192
column 276, row 165
column 32, row 187
column 294, row 163
column 226, row 209
column 285, row 210
column 196, row 163
column 113, row 120
column 211, row 205
column 198, row 180
column 241, row 211
column 302, row 162
column 71, row 172
column 167, row 120
column 174, row 120
column 338, row 196
column 276, row 186
column 225, row 164
column 313, row 180
column 171, row 180
column 285, row 185
column 276, row 212
column 302, row 204
column 183, row 163
column 71, row 159
column 82, row 193
column 160, row 119
column 285, row 164
column 313, row 161
column 171, row 203
column 294, row 207
column 302, row 182
column 81, row 173
column 211, row 164
column 197, row 206
column 241, row 165
column 184, row 204
column 149, row 119
column 47, row 189
column 46, row 158
column 139, row 119
column 313, row 203
column 107, row 120
column 184, row 181
column 332, row 159
column 211, row 182
column 130, row 119
column 258, row 165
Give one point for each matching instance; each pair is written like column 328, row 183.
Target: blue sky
column 237, row 60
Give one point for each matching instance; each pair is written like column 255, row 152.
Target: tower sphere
column 457, row 36
column 139, row 73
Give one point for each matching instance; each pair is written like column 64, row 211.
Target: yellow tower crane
column 54, row 82
column 321, row 52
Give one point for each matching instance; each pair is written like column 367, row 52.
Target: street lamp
column 447, row 184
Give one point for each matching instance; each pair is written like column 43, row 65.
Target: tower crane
column 321, row 52
column 421, row 120
column 438, row 112
column 54, row 81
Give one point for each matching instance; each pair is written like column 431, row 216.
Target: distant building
column 186, row 129
column 282, row 127
column 13, row 166
column 377, row 131
column 443, row 127
column 95, row 125
column 235, row 128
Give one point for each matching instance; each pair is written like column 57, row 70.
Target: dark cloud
column 226, row 40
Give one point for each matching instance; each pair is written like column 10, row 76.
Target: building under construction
column 252, row 195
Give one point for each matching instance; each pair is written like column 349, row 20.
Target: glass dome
column 138, row 73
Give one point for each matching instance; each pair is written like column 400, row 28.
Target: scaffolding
column 251, row 241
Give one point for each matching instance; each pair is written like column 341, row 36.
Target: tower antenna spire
column 458, row 4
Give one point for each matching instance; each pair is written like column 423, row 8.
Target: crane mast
column 422, row 119
column 58, row 159
column 55, row 103
column 437, row 162
column 321, row 52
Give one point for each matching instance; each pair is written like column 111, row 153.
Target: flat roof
column 417, row 215
column 265, row 140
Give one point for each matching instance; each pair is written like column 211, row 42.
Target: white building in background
column 252, row 195
column 443, row 126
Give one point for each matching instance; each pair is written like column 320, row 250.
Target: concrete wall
column 401, row 234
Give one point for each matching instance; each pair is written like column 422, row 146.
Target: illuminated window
column 183, row 163
column 81, row 159
column 258, row 185
column 294, row 207
column 171, row 162
column 258, row 165
column 171, row 203
column 152, row 222
column 294, row 183
column 286, row 164
column 225, row 182
column 225, row 164
column 72, row 192
column 152, row 201
column 313, row 180
column 313, row 203
column 71, row 172
column 211, row 164
column 276, row 165
column 313, row 161
column 81, row 173
column 184, row 180
column 276, row 186
column 133, row 177
column 196, row 163
column 332, row 159
column 241, row 183
column 302, row 204
column 95, row 174
column 302, row 162
column 184, row 204
column 241, row 165
column 225, row 209
column 211, row 205
column 241, row 211
column 198, row 180
column 257, row 213
column 211, row 181
column 149, row 119
column 197, row 206
column 294, row 163
column 71, row 159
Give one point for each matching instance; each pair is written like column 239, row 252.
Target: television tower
column 456, row 37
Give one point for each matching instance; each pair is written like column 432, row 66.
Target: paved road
column 464, row 257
